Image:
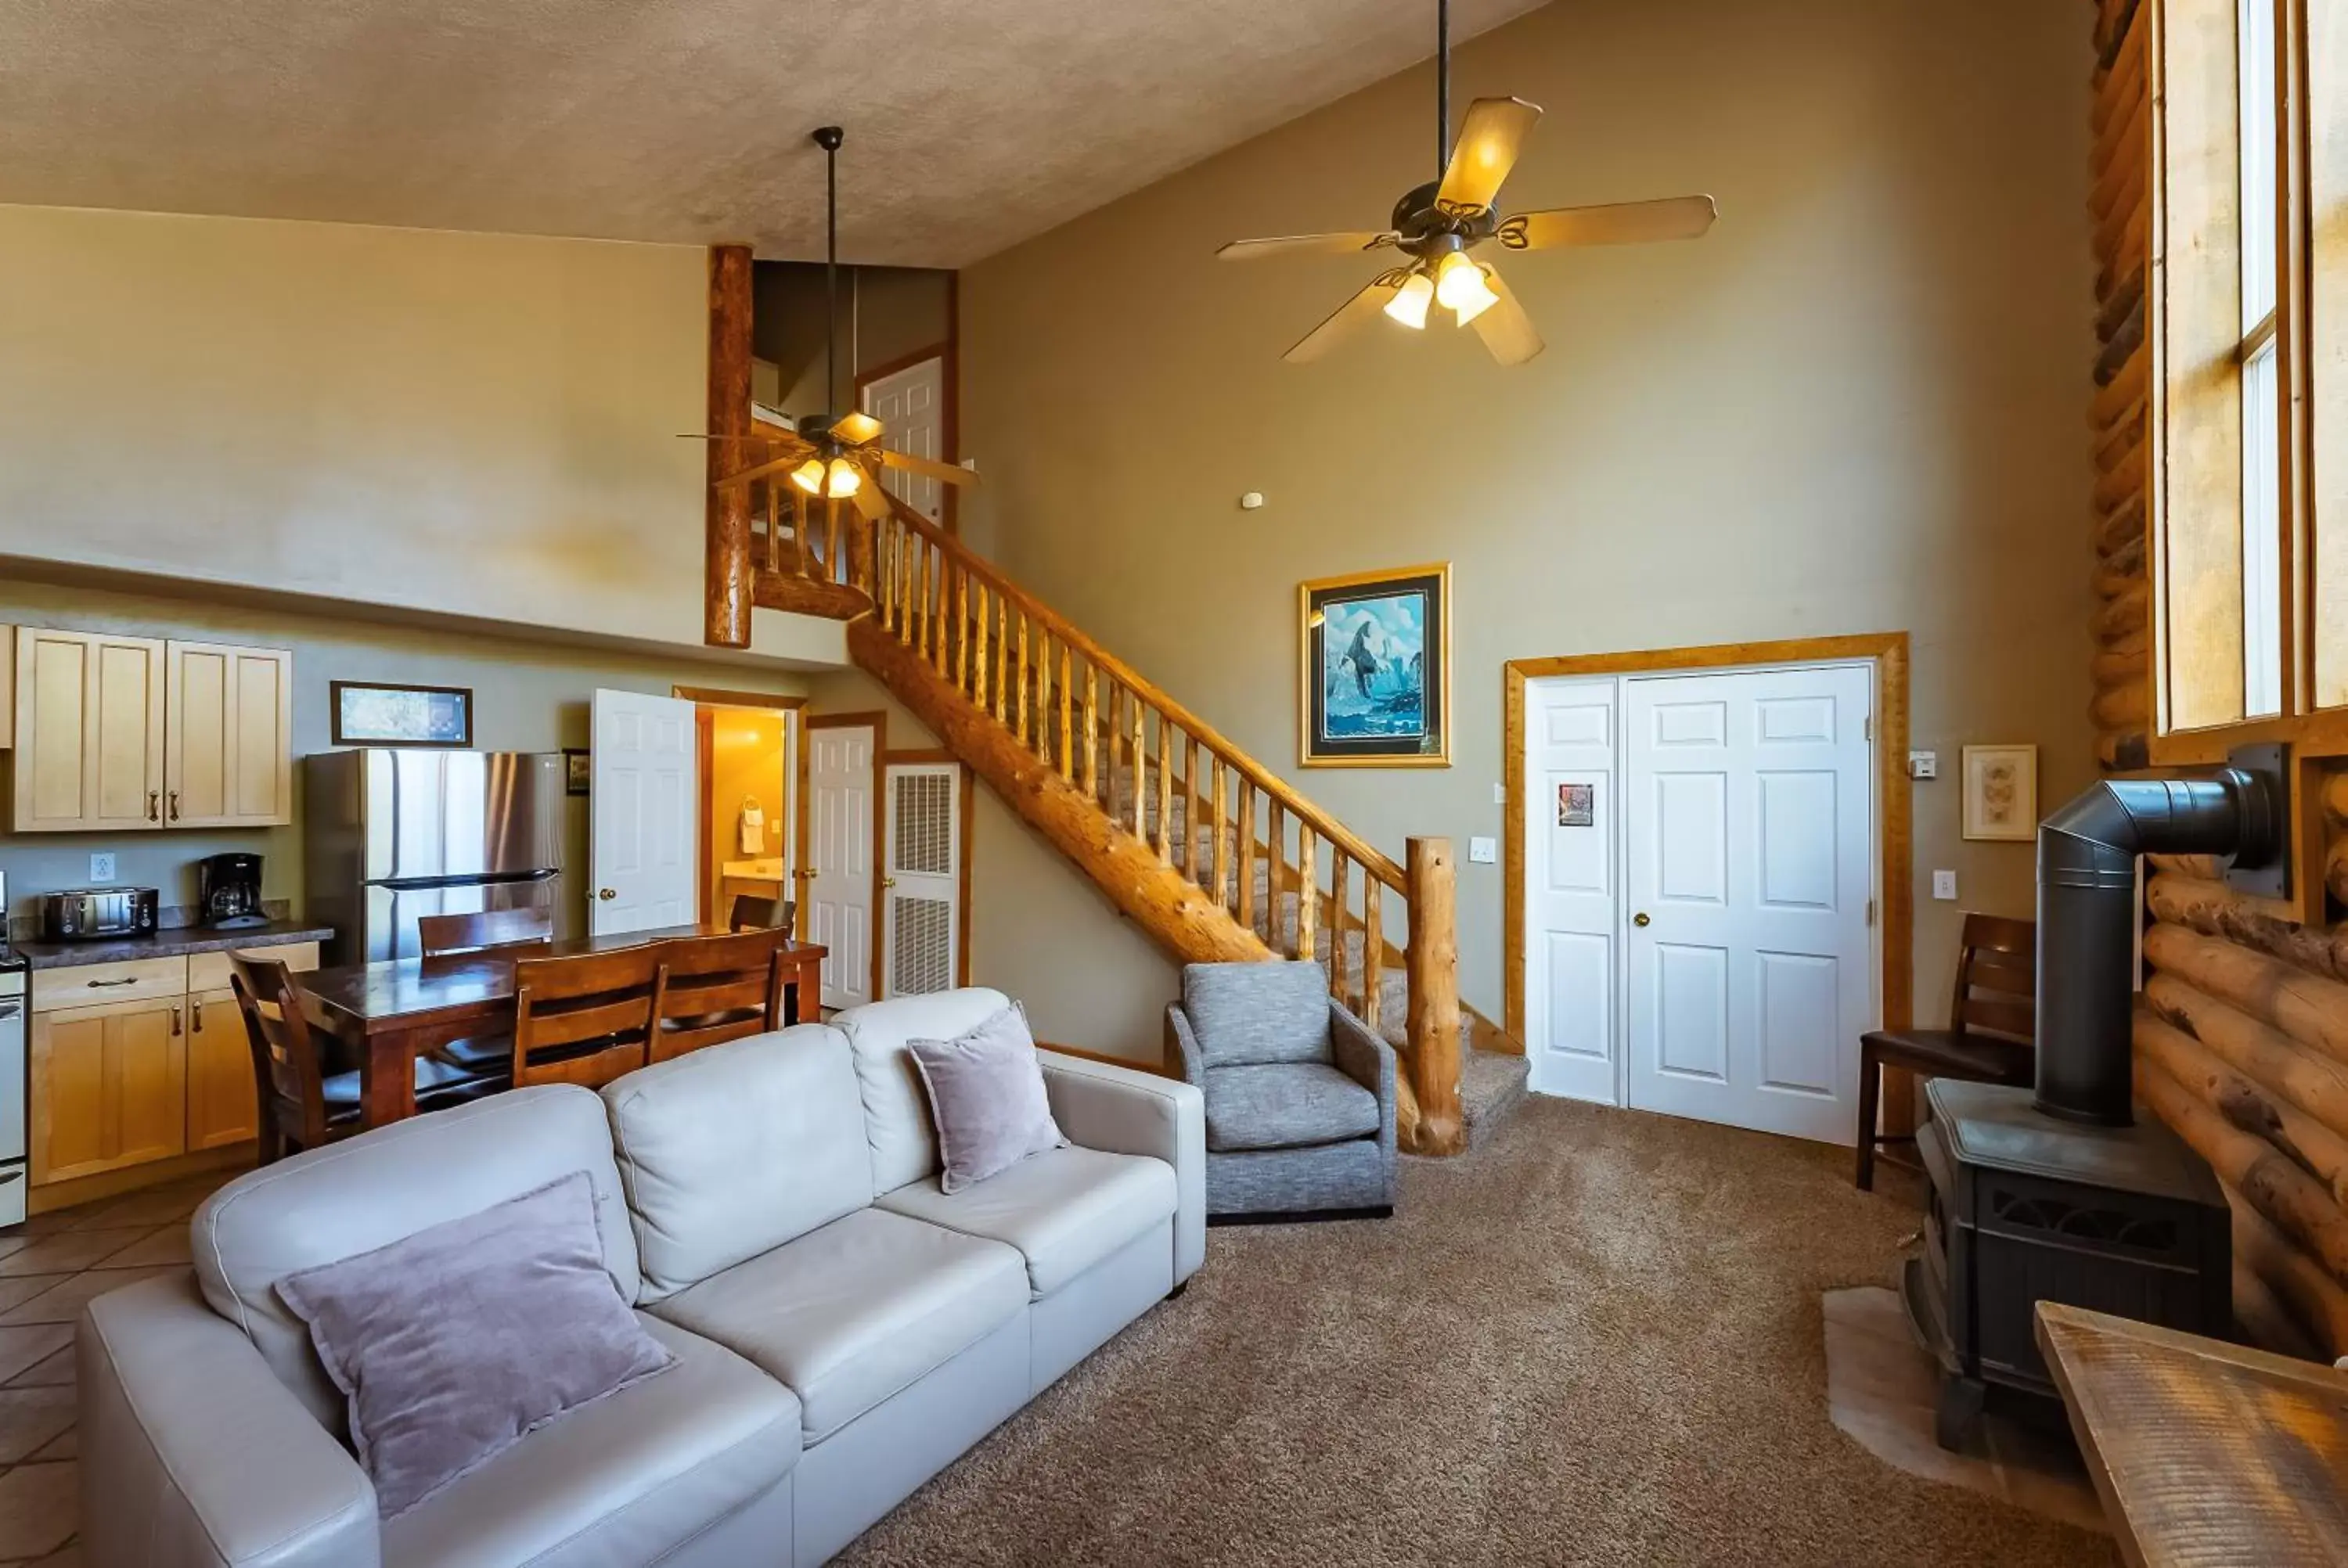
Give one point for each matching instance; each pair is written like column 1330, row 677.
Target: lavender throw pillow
column 454, row 1343
column 986, row 1096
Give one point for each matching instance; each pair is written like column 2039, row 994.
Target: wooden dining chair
column 1992, row 1035
column 302, row 1105
column 707, row 991
column 753, row 913
column 584, row 1019
column 452, row 935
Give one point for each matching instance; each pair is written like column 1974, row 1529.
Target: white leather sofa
column 843, row 1329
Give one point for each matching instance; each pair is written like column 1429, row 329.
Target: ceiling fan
column 839, row 458
column 1436, row 225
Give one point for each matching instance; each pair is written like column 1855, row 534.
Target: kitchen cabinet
column 88, row 731
column 128, row 733
column 223, row 1105
column 108, row 1087
column 228, row 741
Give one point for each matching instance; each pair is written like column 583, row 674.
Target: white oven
column 13, row 1176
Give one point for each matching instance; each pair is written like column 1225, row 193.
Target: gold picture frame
column 2001, row 792
column 1384, row 700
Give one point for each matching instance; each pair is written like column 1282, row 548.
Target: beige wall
column 527, row 697
column 475, row 424
column 1854, row 407
column 885, row 314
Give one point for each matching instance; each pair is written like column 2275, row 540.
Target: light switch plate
column 1500, row 795
column 1483, row 851
column 1944, row 884
column 1923, row 765
column 101, row 868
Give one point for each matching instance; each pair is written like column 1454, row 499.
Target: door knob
column 887, row 881
column 607, row 893
column 1637, row 919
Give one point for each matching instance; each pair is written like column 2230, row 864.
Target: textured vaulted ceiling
column 973, row 124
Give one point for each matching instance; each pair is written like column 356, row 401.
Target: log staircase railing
column 1245, row 845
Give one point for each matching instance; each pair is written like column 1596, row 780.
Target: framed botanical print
column 2001, row 792
column 372, row 713
column 1376, row 650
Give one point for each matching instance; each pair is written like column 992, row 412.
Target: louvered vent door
column 921, row 878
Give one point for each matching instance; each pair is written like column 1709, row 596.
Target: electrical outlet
column 1923, row 765
column 1944, row 885
column 1483, row 851
column 101, row 868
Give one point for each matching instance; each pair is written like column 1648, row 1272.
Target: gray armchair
column 1299, row 1095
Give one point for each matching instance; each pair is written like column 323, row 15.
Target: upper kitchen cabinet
column 123, row 733
column 228, row 737
column 88, row 731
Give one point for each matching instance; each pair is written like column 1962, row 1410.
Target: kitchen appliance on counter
column 15, row 1001
column 95, row 914
column 392, row 835
column 228, row 890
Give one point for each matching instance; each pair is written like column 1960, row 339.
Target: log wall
column 2241, row 1038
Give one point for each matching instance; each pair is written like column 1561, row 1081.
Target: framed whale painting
column 1376, row 656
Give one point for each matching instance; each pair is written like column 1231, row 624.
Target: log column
column 726, row 602
column 1433, row 1060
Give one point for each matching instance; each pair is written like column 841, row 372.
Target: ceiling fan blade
column 1504, row 328
column 952, row 473
column 1347, row 318
column 1619, row 224
column 1489, row 139
column 791, row 458
column 856, row 429
column 768, row 435
column 1304, row 245
column 871, row 499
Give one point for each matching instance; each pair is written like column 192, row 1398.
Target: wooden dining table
column 390, row 1013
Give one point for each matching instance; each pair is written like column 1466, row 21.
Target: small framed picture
column 578, row 768
column 371, row 713
column 1577, row 806
column 2001, row 798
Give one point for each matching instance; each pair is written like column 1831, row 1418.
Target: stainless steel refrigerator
column 394, row 834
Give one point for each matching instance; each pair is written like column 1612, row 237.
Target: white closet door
column 1569, row 826
column 911, row 407
column 921, row 878
column 645, row 812
column 1747, row 875
column 839, row 888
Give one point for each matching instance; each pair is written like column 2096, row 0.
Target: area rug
column 1597, row 1339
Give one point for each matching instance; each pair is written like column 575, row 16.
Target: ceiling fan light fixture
column 1460, row 285
column 808, row 476
column 843, row 480
column 1409, row 304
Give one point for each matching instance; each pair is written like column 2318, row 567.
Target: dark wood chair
column 1992, row 1035
column 707, row 991
column 449, row 936
column 752, row 913
column 302, row 1106
column 585, row 1019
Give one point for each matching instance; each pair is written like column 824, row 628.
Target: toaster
column 92, row 914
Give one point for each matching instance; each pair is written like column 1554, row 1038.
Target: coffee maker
column 227, row 889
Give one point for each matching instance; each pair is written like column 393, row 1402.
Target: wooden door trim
column 720, row 697
column 947, row 352
column 1894, row 843
column 879, row 721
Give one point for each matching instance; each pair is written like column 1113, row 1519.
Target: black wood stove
column 2059, row 1194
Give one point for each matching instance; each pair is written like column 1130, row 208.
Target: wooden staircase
column 1213, row 855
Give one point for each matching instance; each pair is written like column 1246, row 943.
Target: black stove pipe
column 2087, row 919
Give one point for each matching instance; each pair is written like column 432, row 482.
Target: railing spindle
column 1308, row 889
column 1092, row 730
column 1019, row 697
column 1337, row 863
column 1275, row 873
column 1222, row 888
column 961, row 629
column 835, row 567
column 1373, row 941
column 1247, row 852
column 1141, row 769
column 929, row 622
column 981, row 625
column 1165, row 790
column 1067, row 714
column 774, row 527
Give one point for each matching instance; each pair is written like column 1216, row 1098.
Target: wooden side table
column 2204, row 1454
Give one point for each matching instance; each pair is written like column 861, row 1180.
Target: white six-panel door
column 645, row 812
column 1748, row 874
column 839, row 891
column 1571, row 956
column 910, row 406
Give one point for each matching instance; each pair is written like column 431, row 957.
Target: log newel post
column 728, row 598
column 1432, row 958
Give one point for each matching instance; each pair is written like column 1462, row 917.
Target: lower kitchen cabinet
column 108, row 1087
column 223, row 1107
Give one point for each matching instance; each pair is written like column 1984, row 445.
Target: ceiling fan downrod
column 829, row 138
column 1442, row 87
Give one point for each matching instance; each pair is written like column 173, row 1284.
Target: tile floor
column 49, row 1267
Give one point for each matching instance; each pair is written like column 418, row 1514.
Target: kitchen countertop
column 175, row 942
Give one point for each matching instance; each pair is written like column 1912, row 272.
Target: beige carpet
column 1598, row 1340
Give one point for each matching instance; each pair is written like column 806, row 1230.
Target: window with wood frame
column 2250, row 265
